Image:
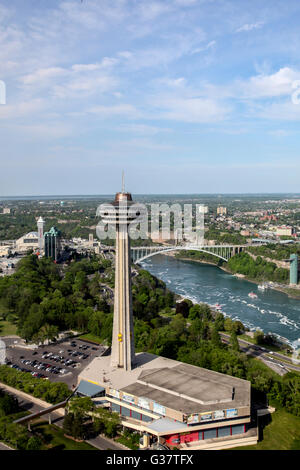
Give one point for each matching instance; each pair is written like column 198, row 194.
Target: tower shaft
column 122, row 351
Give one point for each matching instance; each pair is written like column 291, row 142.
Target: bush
column 52, row 392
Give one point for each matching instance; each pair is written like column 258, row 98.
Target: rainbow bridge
column 224, row 252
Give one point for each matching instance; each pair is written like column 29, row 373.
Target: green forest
column 45, row 299
column 258, row 269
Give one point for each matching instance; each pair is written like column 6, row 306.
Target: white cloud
column 114, row 110
column 249, row 27
column 83, row 86
column 43, row 75
column 150, row 10
column 22, row 109
column 80, row 79
column 45, row 131
column 280, row 133
column 197, row 110
column 273, row 85
column 204, row 48
column 286, row 111
column 143, row 129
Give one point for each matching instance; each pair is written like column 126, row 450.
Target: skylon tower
column 120, row 214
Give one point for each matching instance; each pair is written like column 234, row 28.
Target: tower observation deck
column 120, row 214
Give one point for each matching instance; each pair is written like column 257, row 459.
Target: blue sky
column 187, row 96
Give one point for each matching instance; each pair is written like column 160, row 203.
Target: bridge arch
column 179, row 248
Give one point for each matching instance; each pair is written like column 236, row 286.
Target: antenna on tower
column 123, row 182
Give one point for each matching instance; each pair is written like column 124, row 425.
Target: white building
column 30, row 241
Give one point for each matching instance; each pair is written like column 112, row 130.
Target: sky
column 185, row 96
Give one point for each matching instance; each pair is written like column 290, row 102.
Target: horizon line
column 152, row 194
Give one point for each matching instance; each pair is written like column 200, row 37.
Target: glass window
column 146, row 418
column 115, row 407
column 238, row 429
column 224, row 431
column 125, row 411
column 210, row 433
column 135, row 415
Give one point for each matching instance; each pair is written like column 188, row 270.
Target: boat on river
column 252, row 295
column 262, row 287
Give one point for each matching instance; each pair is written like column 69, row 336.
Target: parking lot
column 61, row 362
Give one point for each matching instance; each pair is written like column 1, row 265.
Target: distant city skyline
column 187, row 96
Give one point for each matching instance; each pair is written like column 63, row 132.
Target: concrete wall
column 26, row 396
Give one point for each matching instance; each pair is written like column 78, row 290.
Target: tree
column 108, row 422
column 47, row 332
column 34, row 443
column 215, row 337
column 73, row 425
column 184, row 307
column 259, row 337
column 195, row 312
column 80, row 406
column 228, row 324
column 234, row 341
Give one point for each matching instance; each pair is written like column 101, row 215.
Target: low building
column 222, row 210
column 5, row 250
column 176, row 404
column 30, row 241
column 284, row 231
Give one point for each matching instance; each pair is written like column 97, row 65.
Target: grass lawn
column 282, row 433
column 92, row 338
column 55, row 440
column 128, row 442
column 7, row 328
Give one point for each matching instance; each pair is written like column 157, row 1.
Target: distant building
column 284, row 231
column 293, row 269
column 53, row 243
column 269, row 217
column 41, row 224
column 6, row 210
column 245, row 233
column 222, row 210
column 30, row 241
column 5, row 250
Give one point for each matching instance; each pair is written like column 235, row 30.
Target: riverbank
column 272, row 312
column 293, row 293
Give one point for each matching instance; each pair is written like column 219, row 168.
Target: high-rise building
column 120, row 214
column 40, row 225
column 52, row 243
column 293, row 269
column 222, row 210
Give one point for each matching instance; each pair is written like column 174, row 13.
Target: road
column 100, row 442
column 274, row 360
column 5, row 447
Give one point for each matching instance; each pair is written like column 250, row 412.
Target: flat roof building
column 176, row 403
